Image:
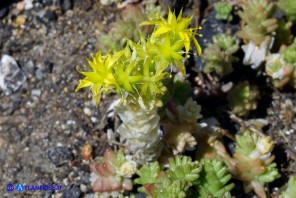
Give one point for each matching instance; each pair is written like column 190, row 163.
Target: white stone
column 28, row 4
column 11, row 76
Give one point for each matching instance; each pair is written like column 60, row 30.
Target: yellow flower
column 179, row 26
column 101, row 78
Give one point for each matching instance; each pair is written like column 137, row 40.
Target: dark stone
column 59, row 156
column 47, row 2
column 4, row 11
column 72, row 191
column 50, row 15
column 84, row 168
column 66, row 5
column 48, row 65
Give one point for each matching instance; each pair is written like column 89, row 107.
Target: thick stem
column 140, row 132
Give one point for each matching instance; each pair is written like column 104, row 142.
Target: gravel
column 42, row 123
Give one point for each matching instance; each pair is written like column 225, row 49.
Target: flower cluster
column 138, row 70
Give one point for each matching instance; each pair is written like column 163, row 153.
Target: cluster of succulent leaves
column 213, row 180
column 219, row 55
column 223, row 11
column 138, row 71
column 281, row 67
column 112, row 172
column 258, row 18
column 183, row 177
column 254, row 161
column 243, row 98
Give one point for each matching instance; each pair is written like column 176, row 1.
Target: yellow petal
column 162, row 30
column 198, row 48
column 83, row 83
column 186, row 41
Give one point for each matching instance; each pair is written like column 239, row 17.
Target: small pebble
column 72, row 192
column 66, row 5
column 28, row 4
column 35, row 93
column 20, row 5
column 93, row 119
column 20, row 20
column 83, row 188
column 39, row 74
column 59, row 156
column 87, row 151
column 50, row 16
column 87, row 111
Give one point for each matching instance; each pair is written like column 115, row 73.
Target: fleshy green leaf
column 213, row 180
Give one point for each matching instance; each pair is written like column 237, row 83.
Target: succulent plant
column 281, row 67
column 257, row 30
column 182, row 124
column 243, row 98
column 289, row 54
column 291, row 188
column 279, row 70
column 138, row 74
column 251, row 161
column 218, row 55
column 289, row 7
column 174, row 182
column 213, row 180
column 223, row 11
column 112, row 173
column 257, row 17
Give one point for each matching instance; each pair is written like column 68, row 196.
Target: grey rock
column 41, row 13
column 59, row 155
column 66, row 5
column 35, row 93
column 29, row 67
column 39, row 74
column 11, row 76
column 72, row 192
